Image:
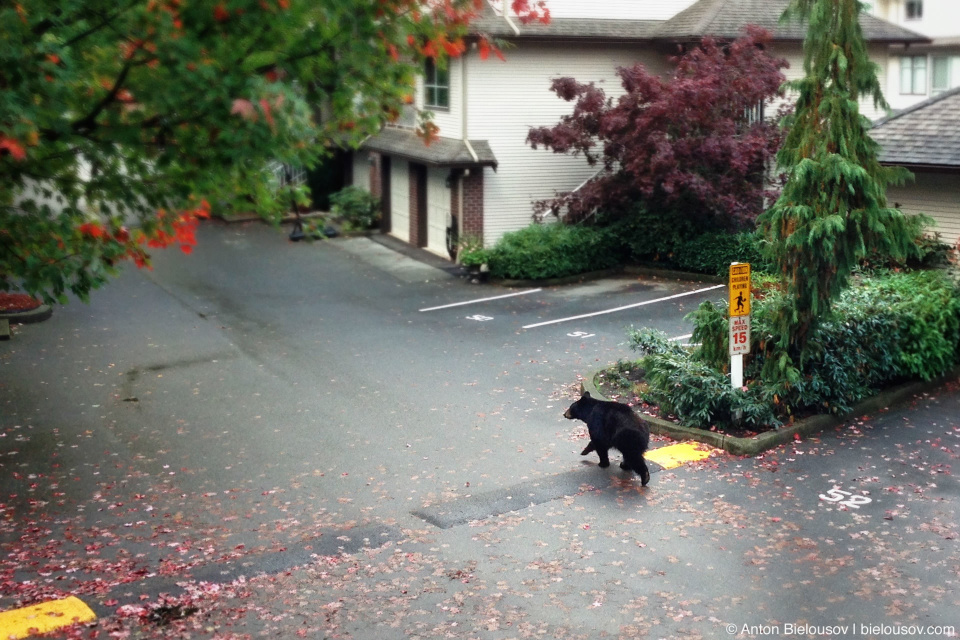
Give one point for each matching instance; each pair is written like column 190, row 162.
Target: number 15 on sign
column 739, row 335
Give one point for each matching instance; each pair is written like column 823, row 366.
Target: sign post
column 739, row 320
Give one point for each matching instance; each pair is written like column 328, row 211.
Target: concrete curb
column 770, row 439
column 665, row 274
column 39, row 314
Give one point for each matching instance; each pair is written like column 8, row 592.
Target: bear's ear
column 586, row 394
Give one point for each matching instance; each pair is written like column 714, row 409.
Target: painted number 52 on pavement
column 847, row 499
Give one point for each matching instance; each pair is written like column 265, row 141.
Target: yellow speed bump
column 674, row 455
column 44, row 618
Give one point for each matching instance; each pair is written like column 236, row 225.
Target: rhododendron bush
column 124, row 121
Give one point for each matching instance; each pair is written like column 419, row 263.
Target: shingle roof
column 446, row 152
column 719, row 18
column 727, row 19
column 926, row 134
column 497, row 26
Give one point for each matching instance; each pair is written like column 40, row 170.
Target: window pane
column 941, row 75
column 443, row 97
column 919, row 75
column 431, row 97
column 906, row 76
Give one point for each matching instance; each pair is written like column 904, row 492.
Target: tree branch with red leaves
column 114, row 113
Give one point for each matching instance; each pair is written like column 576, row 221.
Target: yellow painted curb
column 44, row 618
column 674, row 455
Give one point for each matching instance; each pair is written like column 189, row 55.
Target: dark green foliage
column 931, row 250
column 357, row 207
column 925, row 309
column 647, row 341
column 710, row 331
column 700, row 395
column 619, row 374
column 712, row 253
column 832, row 212
column 886, row 329
column 543, row 251
column 644, row 236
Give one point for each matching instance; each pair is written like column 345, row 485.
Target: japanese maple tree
column 681, row 144
column 123, row 121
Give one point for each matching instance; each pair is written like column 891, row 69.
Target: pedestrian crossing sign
column 739, row 289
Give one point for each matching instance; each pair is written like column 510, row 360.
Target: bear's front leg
column 590, row 447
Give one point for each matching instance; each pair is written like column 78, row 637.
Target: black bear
column 613, row 425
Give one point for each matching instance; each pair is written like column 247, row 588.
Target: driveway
column 337, row 440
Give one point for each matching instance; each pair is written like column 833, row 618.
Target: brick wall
column 455, row 202
column 376, row 186
column 472, row 223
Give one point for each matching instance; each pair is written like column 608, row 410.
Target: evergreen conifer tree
column 832, row 212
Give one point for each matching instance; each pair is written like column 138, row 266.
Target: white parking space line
column 623, row 308
column 460, row 304
column 689, row 335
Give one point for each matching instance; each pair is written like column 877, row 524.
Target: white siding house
column 925, row 138
column 481, row 178
column 508, row 98
column 918, row 71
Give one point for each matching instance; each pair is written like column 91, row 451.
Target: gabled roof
column 724, row 19
column 924, row 135
column 727, row 19
column 442, row 152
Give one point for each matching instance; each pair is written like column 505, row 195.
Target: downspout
column 506, row 16
column 463, row 108
column 466, row 141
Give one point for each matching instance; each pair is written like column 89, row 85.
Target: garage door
column 400, row 199
column 438, row 211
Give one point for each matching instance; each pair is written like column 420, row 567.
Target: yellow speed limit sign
column 739, row 289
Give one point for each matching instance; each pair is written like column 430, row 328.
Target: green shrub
column 470, row 251
column 712, row 253
column 647, row 341
column 357, row 207
column 932, row 252
column 644, row 237
column 701, row 396
column 887, row 328
column 925, row 308
column 543, row 251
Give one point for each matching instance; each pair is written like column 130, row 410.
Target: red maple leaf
column 12, row 147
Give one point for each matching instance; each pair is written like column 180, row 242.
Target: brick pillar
column 418, row 205
column 472, row 214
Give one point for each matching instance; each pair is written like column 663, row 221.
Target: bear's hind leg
column 644, row 473
column 604, row 458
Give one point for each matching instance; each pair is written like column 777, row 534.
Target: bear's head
column 574, row 411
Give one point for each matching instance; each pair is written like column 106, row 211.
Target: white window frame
column 436, row 85
column 909, row 68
